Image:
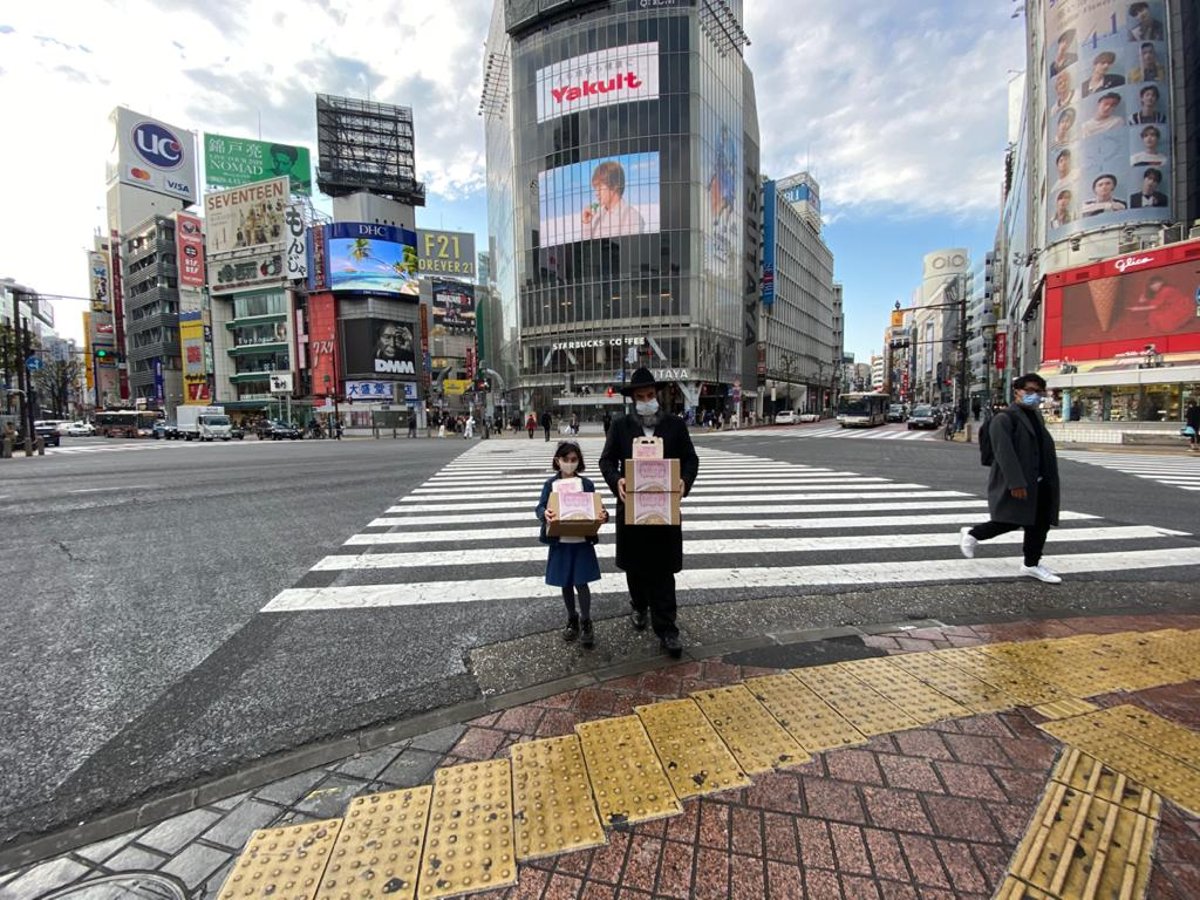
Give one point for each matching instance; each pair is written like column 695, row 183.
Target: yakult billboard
column 150, row 154
column 617, row 75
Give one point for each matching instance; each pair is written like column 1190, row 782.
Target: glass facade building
column 623, row 203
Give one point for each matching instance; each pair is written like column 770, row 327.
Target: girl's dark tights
column 585, row 600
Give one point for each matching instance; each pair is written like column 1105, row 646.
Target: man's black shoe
column 638, row 618
column 672, row 645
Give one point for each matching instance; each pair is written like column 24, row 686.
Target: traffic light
column 102, row 354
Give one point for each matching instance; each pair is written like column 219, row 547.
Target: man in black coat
column 547, row 421
column 650, row 555
column 1023, row 483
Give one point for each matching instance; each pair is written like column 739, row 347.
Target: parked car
column 48, row 430
column 285, row 431
column 895, row 413
column 237, row 432
column 785, row 417
column 80, row 429
column 924, row 417
column 166, row 430
column 809, row 417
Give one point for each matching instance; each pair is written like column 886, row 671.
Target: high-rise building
column 150, row 279
column 623, row 201
column 802, row 322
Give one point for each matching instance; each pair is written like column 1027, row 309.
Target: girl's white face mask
column 567, row 468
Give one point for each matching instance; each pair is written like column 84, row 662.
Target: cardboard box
column 647, row 448
column 652, row 508
column 567, row 486
column 577, row 514
column 651, row 475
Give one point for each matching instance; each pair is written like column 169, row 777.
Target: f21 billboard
column 1108, row 129
column 380, row 347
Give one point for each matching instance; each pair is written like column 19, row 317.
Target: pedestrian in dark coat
column 650, row 555
column 547, row 421
column 1192, row 421
column 1023, row 486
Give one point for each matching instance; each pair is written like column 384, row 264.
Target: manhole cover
column 125, row 886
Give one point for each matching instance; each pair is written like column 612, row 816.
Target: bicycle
column 951, row 430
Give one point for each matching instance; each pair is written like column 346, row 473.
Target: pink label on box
column 653, row 505
column 576, row 505
column 568, row 485
column 652, row 473
column 647, row 448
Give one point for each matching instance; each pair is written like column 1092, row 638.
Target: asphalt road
column 138, row 657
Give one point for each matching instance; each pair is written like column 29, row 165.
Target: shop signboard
column 189, row 249
column 232, row 162
column 245, row 217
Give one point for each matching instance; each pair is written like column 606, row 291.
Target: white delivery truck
column 203, row 423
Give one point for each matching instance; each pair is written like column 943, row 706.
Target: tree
column 12, row 357
column 361, row 249
column 54, row 382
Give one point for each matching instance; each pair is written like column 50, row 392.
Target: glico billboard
column 1120, row 305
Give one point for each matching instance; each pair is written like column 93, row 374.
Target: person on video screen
column 610, row 215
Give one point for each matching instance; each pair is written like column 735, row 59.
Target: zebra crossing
column 792, row 432
column 1173, row 471
column 753, row 526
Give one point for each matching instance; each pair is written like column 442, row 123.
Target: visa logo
column 179, row 186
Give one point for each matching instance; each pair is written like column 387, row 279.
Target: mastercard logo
column 140, row 174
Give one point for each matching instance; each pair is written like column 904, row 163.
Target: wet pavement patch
column 804, row 654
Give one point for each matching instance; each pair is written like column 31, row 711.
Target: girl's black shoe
column 587, row 638
column 571, row 632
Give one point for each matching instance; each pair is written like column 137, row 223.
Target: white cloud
column 894, row 111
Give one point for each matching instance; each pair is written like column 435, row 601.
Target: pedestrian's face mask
column 568, row 466
column 1031, row 398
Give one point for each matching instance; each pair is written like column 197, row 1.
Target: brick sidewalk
column 930, row 812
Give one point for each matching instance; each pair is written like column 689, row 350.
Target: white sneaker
column 1041, row 573
column 966, row 543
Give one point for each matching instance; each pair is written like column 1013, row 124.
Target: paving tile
column 228, row 803
column 593, row 890
column 985, row 726
column 822, row 883
column 1011, row 819
column 747, row 877
column 411, row 768
column 924, row 743
column 964, row 780
column 563, row 887
column 993, row 860
column 575, row 863
column 721, row 672
column 816, row 846
column 896, row 810
column 485, row 721
column 887, row 859
column 712, row 874
column 923, row 861
column 102, row 850
column 45, row 877
column 972, row 748
column 715, row 829
column 524, row 719
column 329, row 799
column 174, row 834
column 778, row 791
column 854, row 765
column 1162, row 887
column 675, row 873
column 530, row 883
column 747, row 832
column 961, row 866
column 196, row 863
column 557, row 722
column 368, row 765
column 609, row 860
column 685, row 826
column 833, row 800
column 438, row 741
column 784, row 881
column 478, row 743
column 564, row 700
column 1022, row 785
column 288, row 790
column 912, row 773
column 1026, row 753
column 641, row 867
column 133, row 858
column 239, row 823
column 779, row 832
column 857, row 887
column 850, row 849
column 962, row 818
column 897, row 890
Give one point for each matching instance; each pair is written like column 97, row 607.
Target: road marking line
column 120, row 487
column 693, row 501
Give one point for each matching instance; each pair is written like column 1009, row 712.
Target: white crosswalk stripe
column 793, row 432
column 754, row 526
column 1174, row 471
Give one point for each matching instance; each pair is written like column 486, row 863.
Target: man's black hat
column 641, row 378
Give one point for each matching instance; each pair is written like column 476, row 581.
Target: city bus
column 864, row 410
column 127, row 423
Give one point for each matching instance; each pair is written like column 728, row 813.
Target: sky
column 898, row 109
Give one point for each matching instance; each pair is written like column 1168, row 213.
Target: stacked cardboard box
column 576, row 513
column 652, row 485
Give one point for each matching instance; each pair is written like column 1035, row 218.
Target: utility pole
column 964, row 382
column 24, row 351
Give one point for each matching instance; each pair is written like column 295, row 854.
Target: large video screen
column 453, row 307
column 379, row 346
column 608, row 197
column 375, row 258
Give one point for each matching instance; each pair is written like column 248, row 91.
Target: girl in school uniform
column 572, row 562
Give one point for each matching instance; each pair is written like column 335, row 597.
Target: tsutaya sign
column 616, row 75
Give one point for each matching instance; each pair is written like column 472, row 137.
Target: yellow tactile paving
column 627, row 781
column 378, row 850
column 469, row 841
column 1024, row 687
column 1080, row 845
column 1163, row 735
column 1070, row 663
column 1086, row 773
column 1142, row 762
column 282, row 863
column 940, row 673
column 863, row 707
column 696, row 760
column 552, row 798
column 1064, row 709
column 758, row 741
column 814, row 724
column 919, row 701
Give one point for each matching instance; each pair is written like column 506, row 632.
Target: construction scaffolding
column 366, row 146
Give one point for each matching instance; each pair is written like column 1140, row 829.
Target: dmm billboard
column 380, row 347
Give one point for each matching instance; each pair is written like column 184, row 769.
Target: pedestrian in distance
column 649, row 555
column 547, row 422
column 337, row 429
column 531, row 425
column 469, row 428
column 607, row 421
column 976, row 408
column 571, row 563
column 1192, row 421
column 1023, row 486
column 412, row 425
